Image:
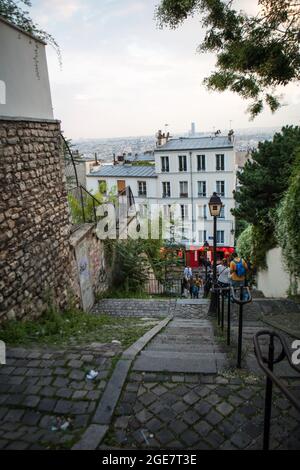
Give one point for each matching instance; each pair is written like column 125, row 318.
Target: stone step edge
column 95, row 433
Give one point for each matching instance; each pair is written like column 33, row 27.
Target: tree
column 265, row 176
column 255, row 54
column 262, row 185
column 12, row 12
column 288, row 225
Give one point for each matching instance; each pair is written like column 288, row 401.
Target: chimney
column 231, row 136
column 193, row 129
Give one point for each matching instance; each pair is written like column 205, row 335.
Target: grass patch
column 73, row 327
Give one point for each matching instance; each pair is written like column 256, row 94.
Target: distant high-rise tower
column 193, row 129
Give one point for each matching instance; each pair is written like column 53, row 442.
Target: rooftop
column 126, row 171
column 196, row 143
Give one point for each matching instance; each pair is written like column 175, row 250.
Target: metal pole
column 214, row 298
column 268, row 398
column 240, row 334
column 218, row 307
column 228, row 318
column 222, row 317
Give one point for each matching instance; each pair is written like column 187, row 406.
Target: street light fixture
column 215, row 207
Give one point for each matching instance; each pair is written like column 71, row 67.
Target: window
column 220, row 237
column 222, row 213
column 142, row 188
column 167, row 211
column 165, row 164
column 202, row 188
column 202, row 211
column 182, row 163
column 220, row 162
column 220, row 188
column 102, row 184
column 166, row 189
column 143, row 209
column 184, row 211
column 202, row 236
column 183, row 189
column 201, row 163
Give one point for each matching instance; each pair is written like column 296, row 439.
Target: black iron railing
column 83, row 206
column 266, row 363
column 242, row 298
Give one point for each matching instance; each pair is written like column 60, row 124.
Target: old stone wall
column 34, row 219
column 90, row 274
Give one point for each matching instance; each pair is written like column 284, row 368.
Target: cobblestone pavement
column 205, row 411
column 40, row 387
column 190, row 411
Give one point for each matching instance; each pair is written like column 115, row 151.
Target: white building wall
column 210, row 176
column 274, row 281
column 24, row 81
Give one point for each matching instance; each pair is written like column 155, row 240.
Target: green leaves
column 255, row 54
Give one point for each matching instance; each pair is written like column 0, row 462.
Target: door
column 121, row 185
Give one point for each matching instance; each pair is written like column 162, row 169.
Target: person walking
column 238, row 271
column 223, row 272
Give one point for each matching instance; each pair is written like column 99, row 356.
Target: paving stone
column 164, row 436
column 213, row 417
column 47, row 404
column 215, row 439
column 79, row 394
column 177, row 427
column 203, row 408
column 154, row 425
column 202, row 428
column 191, row 398
column 17, row 445
column 147, row 398
column 241, row 440
column 31, row 401
column 213, row 399
column 190, row 416
column 159, row 390
column 14, row 416
column 189, row 437
column 64, row 393
column 224, row 408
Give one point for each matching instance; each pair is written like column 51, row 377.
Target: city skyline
column 122, row 76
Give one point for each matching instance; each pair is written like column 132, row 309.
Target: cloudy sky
column 122, row 76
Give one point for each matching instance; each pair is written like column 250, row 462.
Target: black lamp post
column 215, row 206
column 206, row 248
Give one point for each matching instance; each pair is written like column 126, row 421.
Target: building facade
column 186, row 173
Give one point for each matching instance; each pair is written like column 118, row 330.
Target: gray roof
column 196, row 143
column 125, row 171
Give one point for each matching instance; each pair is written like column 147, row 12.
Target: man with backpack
column 238, row 271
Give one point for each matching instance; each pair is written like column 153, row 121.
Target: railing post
column 228, row 317
column 240, row 333
column 94, row 210
column 82, row 204
column 268, row 397
column 222, row 317
column 218, row 305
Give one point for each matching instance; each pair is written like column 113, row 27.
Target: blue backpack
column 240, row 268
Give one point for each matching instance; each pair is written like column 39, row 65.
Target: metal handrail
column 240, row 300
column 271, row 377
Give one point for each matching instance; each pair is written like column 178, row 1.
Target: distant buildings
column 186, row 172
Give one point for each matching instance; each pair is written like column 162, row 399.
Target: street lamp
column 215, row 206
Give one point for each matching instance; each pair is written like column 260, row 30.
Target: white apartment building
column 187, row 171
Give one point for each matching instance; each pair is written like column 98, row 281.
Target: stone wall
column 34, row 219
column 89, row 271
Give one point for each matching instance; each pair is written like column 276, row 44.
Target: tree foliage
column 288, row 223
column 265, row 178
column 255, row 54
column 15, row 14
column 262, row 184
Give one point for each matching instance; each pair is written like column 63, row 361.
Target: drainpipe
column 192, row 198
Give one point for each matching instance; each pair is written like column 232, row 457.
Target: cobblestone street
column 182, row 391
column 37, row 387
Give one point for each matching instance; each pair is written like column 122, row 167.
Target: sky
column 122, row 76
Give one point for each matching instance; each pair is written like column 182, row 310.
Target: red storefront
column 194, row 254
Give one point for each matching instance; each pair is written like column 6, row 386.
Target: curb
column 95, row 433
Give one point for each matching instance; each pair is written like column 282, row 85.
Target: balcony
column 183, row 195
